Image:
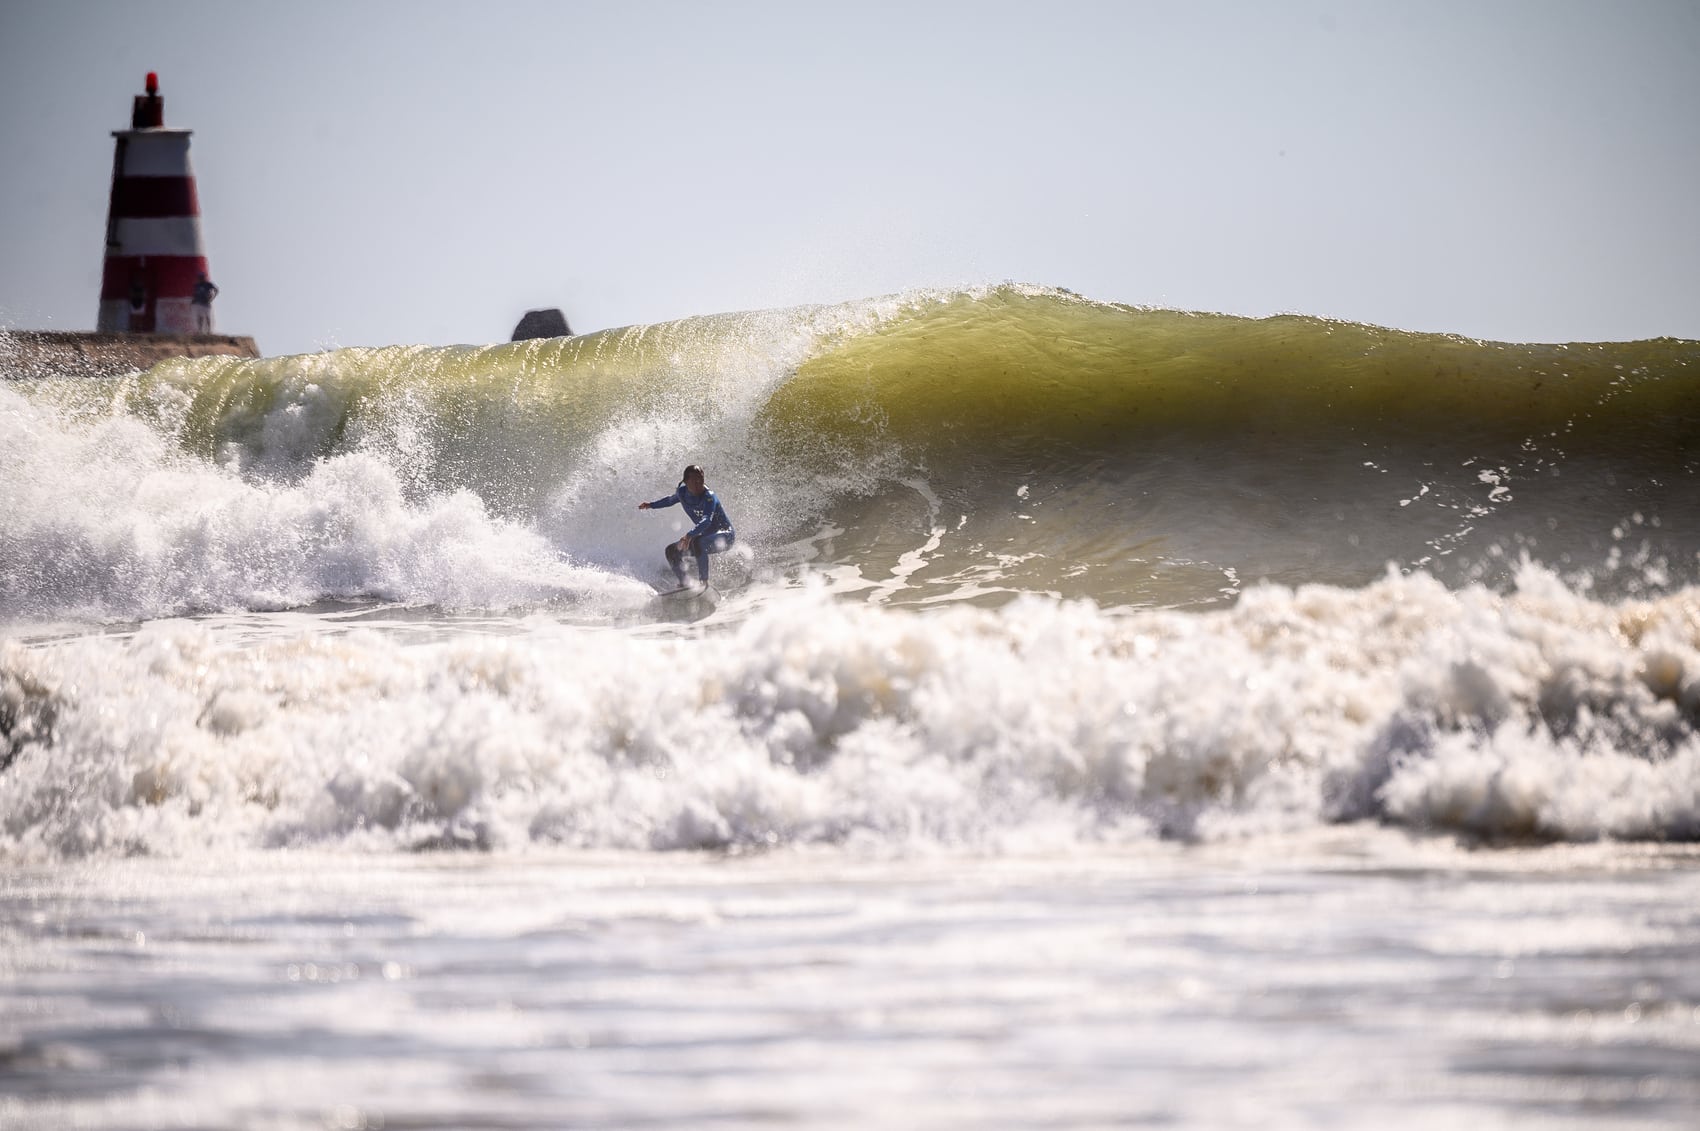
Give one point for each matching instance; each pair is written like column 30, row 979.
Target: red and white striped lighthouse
column 154, row 255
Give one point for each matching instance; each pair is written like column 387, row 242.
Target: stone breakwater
column 54, row 353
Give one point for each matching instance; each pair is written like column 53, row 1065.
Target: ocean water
column 1107, row 717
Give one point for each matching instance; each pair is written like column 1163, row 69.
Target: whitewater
column 1107, row 716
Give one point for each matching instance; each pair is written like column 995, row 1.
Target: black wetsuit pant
column 701, row 547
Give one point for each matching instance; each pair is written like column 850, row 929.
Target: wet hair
column 686, row 474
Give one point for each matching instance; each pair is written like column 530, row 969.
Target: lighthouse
column 156, row 268
column 155, row 259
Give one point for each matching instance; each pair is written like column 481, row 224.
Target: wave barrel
column 155, row 257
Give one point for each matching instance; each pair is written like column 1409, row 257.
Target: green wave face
column 1114, row 450
column 1064, row 374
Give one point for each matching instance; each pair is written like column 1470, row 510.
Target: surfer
column 713, row 530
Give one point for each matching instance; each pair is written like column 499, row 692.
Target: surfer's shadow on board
column 730, row 572
column 693, row 601
column 688, row 602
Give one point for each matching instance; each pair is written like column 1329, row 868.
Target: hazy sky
column 383, row 172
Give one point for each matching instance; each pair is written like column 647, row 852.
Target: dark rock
column 550, row 323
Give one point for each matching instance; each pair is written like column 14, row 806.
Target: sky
column 374, row 173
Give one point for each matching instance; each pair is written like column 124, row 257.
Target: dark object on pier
column 550, row 323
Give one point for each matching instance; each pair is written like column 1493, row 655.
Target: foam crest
column 1539, row 713
column 107, row 519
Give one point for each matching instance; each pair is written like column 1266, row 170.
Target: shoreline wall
column 57, row 353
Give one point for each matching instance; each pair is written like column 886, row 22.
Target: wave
column 957, row 446
column 1014, row 569
column 1113, row 444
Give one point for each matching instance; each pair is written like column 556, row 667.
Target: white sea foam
column 1539, row 713
column 107, row 520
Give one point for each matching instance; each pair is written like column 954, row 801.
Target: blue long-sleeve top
column 705, row 510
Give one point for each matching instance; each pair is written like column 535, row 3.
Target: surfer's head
column 692, row 479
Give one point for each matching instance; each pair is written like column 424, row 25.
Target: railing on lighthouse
column 154, row 255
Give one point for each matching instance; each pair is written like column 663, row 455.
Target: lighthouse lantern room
column 155, row 259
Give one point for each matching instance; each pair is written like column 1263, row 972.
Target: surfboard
column 687, row 593
column 682, row 605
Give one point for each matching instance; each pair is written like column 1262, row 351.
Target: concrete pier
column 52, row 353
